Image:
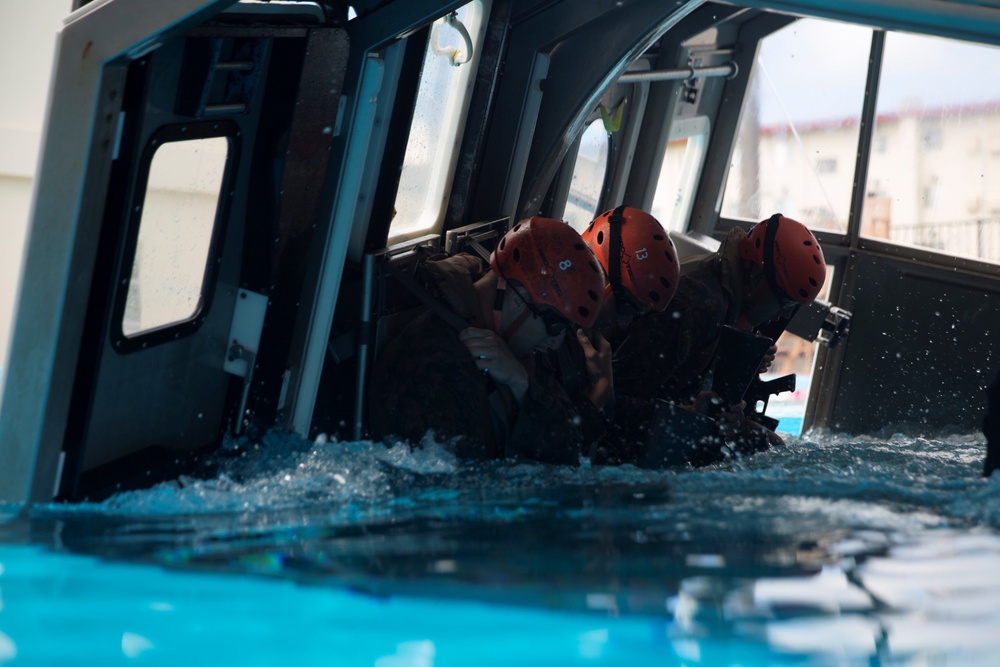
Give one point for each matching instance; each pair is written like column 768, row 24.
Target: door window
column 588, row 176
column 799, row 127
column 438, row 122
column 934, row 174
column 177, row 224
column 679, row 172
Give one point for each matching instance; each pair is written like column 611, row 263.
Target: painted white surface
column 27, row 43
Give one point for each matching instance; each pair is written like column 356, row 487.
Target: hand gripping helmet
column 789, row 255
column 550, row 260
column 647, row 266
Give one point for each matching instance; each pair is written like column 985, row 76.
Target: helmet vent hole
column 516, row 227
column 517, row 254
column 669, row 256
column 600, row 237
column 756, row 243
column 654, row 296
column 579, row 246
column 593, row 295
column 658, row 237
column 584, row 312
column 816, row 259
column 812, row 281
column 804, row 294
column 807, row 243
column 665, row 283
column 503, row 242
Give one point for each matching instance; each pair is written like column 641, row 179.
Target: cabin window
column 588, row 176
column 793, row 131
column 938, row 180
column 177, row 224
column 438, row 122
column 679, row 172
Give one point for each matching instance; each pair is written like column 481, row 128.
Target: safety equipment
column 789, row 255
column 552, row 263
column 647, row 268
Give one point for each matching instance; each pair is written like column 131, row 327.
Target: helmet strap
column 615, row 247
column 498, row 301
column 769, row 268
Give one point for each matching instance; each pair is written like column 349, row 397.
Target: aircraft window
column 937, row 183
column 588, row 177
column 175, row 234
column 680, row 171
column 438, row 122
column 801, row 122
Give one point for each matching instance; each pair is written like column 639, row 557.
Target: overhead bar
column 728, row 70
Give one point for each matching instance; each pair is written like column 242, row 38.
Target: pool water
column 831, row 551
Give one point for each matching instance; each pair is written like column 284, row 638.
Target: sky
column 829, row 60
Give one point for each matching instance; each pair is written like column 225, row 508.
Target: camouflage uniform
column 426, row 380
column 669, row 355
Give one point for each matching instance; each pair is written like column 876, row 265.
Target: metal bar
column 865, row 133
column 365, row 340
column 234, row 66
column 217, row 109
column 728, row 70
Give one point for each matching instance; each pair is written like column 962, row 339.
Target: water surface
column 832, row 551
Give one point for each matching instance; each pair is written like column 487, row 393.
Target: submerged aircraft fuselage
column 221, row 182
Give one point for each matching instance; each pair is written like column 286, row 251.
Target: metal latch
column 821, row 321
column 835, row 327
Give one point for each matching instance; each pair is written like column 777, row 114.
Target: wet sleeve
column 668, row 355
column 425, row 380
column 551, row 427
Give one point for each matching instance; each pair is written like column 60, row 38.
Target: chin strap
column 507, row 333
column 498, row 303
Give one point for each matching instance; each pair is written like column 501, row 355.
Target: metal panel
column 920, row 350
column 74, row 166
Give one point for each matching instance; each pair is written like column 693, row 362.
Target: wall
column 27, row 45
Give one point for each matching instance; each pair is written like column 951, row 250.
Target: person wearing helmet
column 472, row 384
column 642, row 278
column 646, row 272
column 752, row 279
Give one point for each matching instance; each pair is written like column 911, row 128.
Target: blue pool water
column 831, row 551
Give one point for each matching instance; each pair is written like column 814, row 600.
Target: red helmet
column 647, row 268
column 790, row 256
column 550, row 260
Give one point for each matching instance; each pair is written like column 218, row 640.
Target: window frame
column 177, row 133
column 445, row 159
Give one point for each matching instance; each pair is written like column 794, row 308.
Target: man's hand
column 490, row 353
column 597, row 353
column 710, row 404
column 768, row 359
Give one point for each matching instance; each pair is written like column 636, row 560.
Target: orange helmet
column 647, row 267
column 790, row 256
column 550, row 260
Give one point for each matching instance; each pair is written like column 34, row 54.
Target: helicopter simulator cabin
column 228, row 193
